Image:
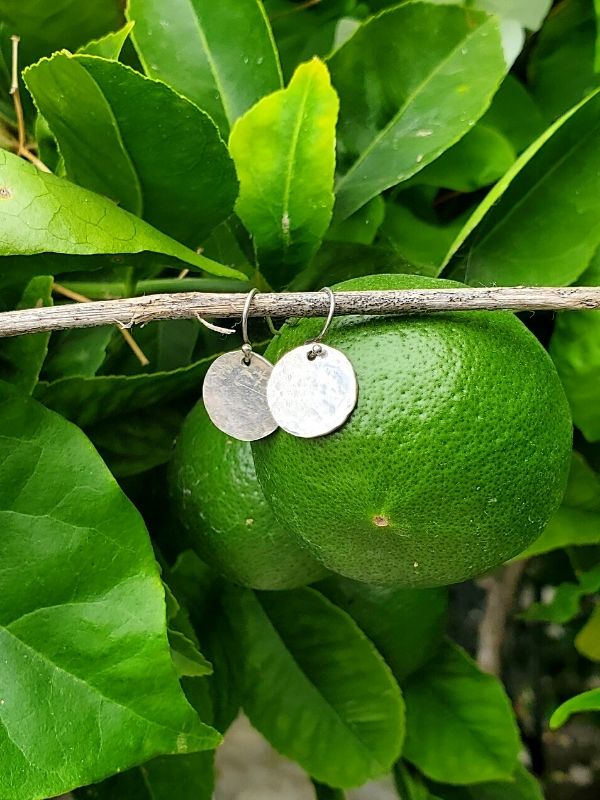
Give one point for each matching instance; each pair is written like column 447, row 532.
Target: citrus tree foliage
column 270, row 143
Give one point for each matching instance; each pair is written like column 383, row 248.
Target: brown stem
column 22, row 149
column 501, row 589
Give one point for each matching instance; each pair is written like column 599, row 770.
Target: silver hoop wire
column 245, row 312
column 330, row 314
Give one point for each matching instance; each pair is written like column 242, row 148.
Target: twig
column 80, row 298
column 215, row 328
column 137, row 350
column 501, row 589
column 72, row 295
column 22, row 149
column 188, row 305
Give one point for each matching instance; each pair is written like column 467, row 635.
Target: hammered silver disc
column 310, row 398
column 235, row 398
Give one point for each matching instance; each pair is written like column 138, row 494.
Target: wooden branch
column 191, row 305
column 501, row 590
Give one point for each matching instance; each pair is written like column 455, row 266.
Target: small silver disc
column 310, row 397
column 235, row 396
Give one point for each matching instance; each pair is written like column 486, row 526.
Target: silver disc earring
column 234, row 390
column 313, row 389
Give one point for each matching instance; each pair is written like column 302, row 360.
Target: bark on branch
column 501, row 590
column 191, row 305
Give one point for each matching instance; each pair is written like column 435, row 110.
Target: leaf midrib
column 287, row 187
column 211, row 61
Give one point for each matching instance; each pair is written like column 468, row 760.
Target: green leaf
column 41, row 213
column 361, row 227
column 87, row 401
column 597, row 47
column 91, row 637
column 46, row 27
column 16, row 271
column 515, row 114
column 77, row 352
column 407, row 93
column 193, row 581
column 477, row 160
column 414, row 231
column 339, row 261
column 460, row 724
column 283, row 149
column 410, row 784
column 577, row 521
column 513, row 17
column 523, row 786
column 110, row 45
column 539, row 224
column 21, row 357
column 310, row 676
column 406, row 625
column 566, row 601
column 587, row 701
column 175, row 343
column 219, row 55
column 323, row 792
column 47, row 147
column 7, row 108
column 575, row 350
column 192, row 774
column 587, row 640
column 561, row 67
column 136, row 442
column 168, row 344
column 528, row 13
column 188, row 660
column 304, row 30
column 109, row 122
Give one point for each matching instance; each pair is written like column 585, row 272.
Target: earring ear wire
column 317, row 348
column 234, row 389
column 245, row 313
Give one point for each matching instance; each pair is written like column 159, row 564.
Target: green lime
column 215, row 491
column 405, row 625
column 453, row 461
